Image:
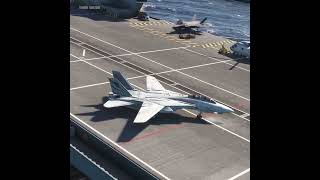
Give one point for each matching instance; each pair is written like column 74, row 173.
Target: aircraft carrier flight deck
column 173, row 146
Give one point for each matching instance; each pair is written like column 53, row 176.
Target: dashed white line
column 162, row 65
column 240, row 174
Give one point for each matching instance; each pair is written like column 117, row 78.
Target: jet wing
column 116, row 103
column 153, row 84
column 147, row 111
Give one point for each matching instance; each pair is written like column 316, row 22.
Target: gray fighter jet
column 189, row 25
column 156, row 99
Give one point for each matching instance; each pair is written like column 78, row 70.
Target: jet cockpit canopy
column 203, row 98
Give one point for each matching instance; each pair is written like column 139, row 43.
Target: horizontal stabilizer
column 116, row 103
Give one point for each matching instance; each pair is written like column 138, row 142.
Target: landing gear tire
column 199, row 116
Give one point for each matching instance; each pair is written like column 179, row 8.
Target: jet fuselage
column 198, row 104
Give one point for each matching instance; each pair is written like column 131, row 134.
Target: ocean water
column 227, row 18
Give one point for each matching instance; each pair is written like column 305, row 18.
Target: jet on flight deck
column 189, row 25
column 156, row 99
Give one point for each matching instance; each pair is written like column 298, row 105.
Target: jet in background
column 192, row 25
column 241, row 48
column 156, row 99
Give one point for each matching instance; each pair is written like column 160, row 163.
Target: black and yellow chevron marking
column 141, row 26
column 148, row 23
column 181, row 41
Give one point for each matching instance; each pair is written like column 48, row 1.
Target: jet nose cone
column 227, row 109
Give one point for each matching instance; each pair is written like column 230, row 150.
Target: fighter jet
column 156, row 99
column 189, row 25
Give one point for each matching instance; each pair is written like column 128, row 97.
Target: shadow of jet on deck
column 238, row 61
column 103, row 114
column 185, row 31
column 131, row 130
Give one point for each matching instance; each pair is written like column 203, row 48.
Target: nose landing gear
column 199, row 116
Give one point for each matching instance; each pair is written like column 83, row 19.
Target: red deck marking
column 159, row 131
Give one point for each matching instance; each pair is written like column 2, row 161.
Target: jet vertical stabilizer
column 194, row 18
column 118, row 88
column 122, row 79
column 203, row 20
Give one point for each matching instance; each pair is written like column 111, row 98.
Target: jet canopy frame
column 203, row 98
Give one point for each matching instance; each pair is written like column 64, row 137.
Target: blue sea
column 227, row 18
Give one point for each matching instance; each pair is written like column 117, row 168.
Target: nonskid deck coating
column 178, row 146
